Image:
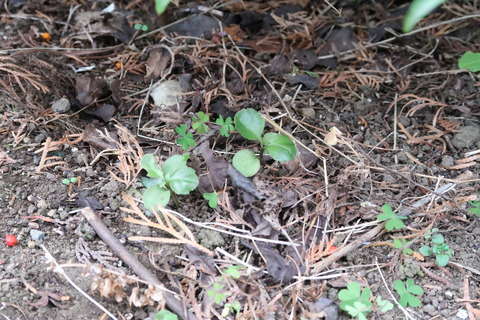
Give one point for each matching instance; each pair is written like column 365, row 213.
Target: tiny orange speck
column 46, row 36
column 118, row 65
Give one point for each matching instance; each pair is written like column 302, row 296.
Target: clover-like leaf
column 249, row 124
column 182, row 179
column 156, row 195
column 279, row 146
column 149, row 163
column 212, row 199
column 246, row 162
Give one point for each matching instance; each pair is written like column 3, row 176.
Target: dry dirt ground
column 75, row 103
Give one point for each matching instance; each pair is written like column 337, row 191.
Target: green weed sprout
column 401, row 244
column 186, row 138
column 165, row 315
column 226, row 126
column 160, row 7
column 212, row 199
column 200, row 122
column 172, row 176
column 383, row 305
column 475, row 209
column 219, row 290
column 356, row 301
column 142, row 27
column 250, row 124
column 393, row 221
column 408, row 292
column 68, row 181
column 440, row 249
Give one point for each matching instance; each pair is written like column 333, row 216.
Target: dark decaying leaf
column 157, row 63
column 99, row 141
column 217, row 173
column 338, row 40
column 244, row 183
column 279, row 65
column 113, row 24
column 86, row 200
column 201, row 260
column 304, row 59
column 88, row 89
column 322, row 308
column 305, row 79
column 195, row 26
column 103, row 112
column 278, row 267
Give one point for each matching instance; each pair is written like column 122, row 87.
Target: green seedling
column 417, row 11
column 69, row 181
column 402, row 244
column 470, row 61
column 383, row 305
column 172, row 176
column 475, row 209
column 200, row 122
column 212, row 199
column 161, row 6
column 408, row 292
column 440, row 249
column 226, row 126
column 250, row 124
column 186, row 138
column 219, row 290
column 140, row 27
column 356, row 301
column 393, row 221
column 165, row 315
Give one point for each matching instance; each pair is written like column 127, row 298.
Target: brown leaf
column 88, row 89
column 157, row 63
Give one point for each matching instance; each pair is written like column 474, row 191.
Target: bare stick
column 140, row 270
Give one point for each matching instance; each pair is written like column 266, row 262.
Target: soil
column 409, row 124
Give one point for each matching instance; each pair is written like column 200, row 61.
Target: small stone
column 462, row 314
column 31, row 244
column 448, row 294
column 52, row 212
column 447, row 161
column 61, row 106
column 308, row 113
column 467, row 137
column 42, row 204
column 37, row 235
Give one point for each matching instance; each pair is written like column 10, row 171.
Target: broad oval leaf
column 149, row 182
column 149, row 163
column 161, row 6
column 442, row 260
column 470, row 61
column 249, row 124
column 154, row 196
column 418, row 10
column 182, row 180
column 279, row 146
column 246, row 162
column 173, row 163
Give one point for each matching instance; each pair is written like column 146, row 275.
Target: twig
column 143, row 273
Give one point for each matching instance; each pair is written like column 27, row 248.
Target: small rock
column 31, row 244
column 447, row 161
column 308, row 113
column 42, row 205
column 467, row 137
column 363, row 107
column 448, row 294
column 61, row 106
column 37, row 235
column 52, row 212
column 462, row 314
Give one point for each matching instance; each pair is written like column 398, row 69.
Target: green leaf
column 182, row 180
column 225, row 126
column 149, row 182
column 279, row 146
column 351, row 293
column 144, row 28
column 418, row 10
column 154, row 196
column 470, row 61
column 425, row 250
column 249, row 124
column 212, row 199
column 394, row 224
column 66, row 181
column 173, row 163
column 246, row 162
column 399, row 286
column 165, row 315
column 233, row 271
column 438, row 239
column 413, row 288
column 413, row 301
column 384, row 305
column 161, row 6
column 149, row 163
column 442, row 260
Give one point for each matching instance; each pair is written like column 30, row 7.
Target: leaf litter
column 403, row 137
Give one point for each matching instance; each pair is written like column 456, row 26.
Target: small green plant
column 172, row 176
column 402, row 244
column 226, row 126
column 161, row 6
column 417, row 11
column 383, row 305
column 408, row 292
column 200, row 121
column 165, row 315
column 220, row 293
column 475, row 209
column 356, row 301
column 440, row 249
column 186, row 138
column 142, row 27
column 393, row 221
column 470, row 61
column 212, row 199
column 246, row 162
column 69, row 181
column 250, row 124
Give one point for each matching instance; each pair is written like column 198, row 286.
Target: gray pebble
column 467, row 137
column 37, row 235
